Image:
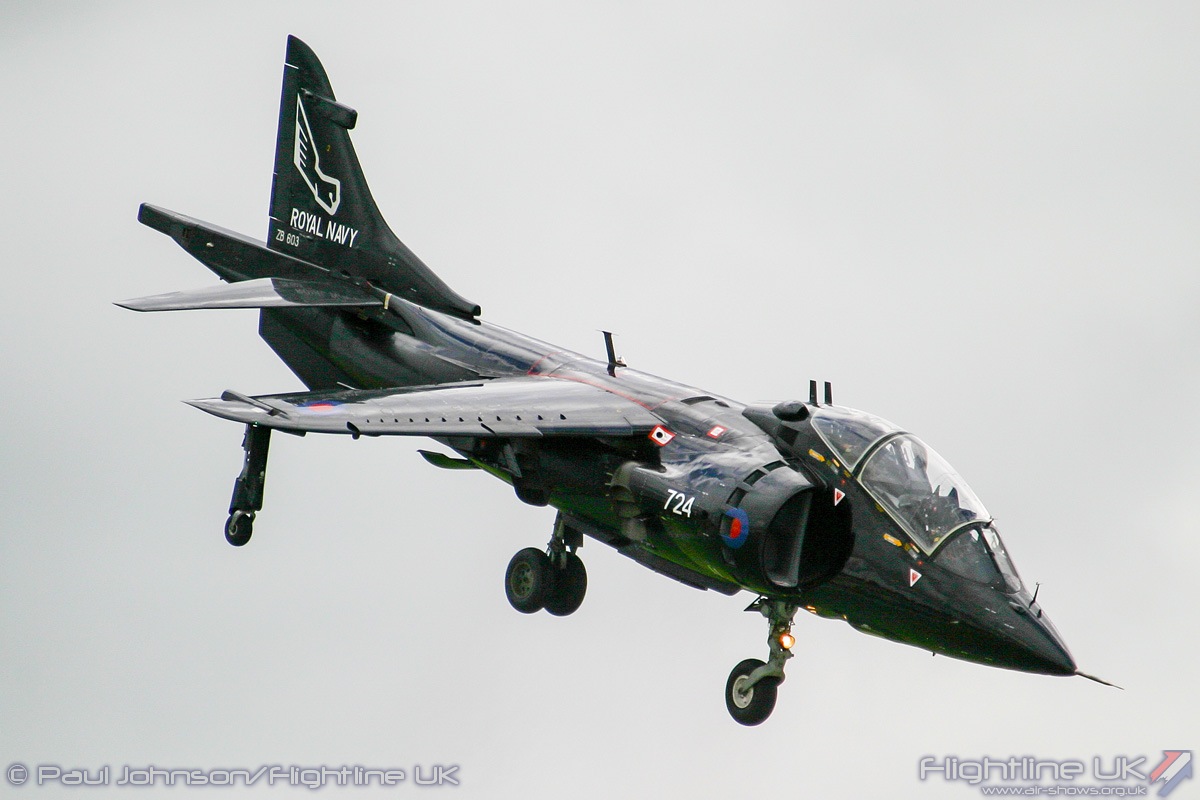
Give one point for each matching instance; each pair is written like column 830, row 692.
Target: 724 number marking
column 683, row 503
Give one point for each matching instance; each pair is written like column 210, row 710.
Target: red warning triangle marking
column 913, row 577
column 838, row 496
column 661, row 436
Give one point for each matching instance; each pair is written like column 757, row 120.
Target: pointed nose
column 1038, row 645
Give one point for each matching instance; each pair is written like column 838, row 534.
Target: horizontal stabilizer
column 231, row 255
column 259, row 293
column 525, row 407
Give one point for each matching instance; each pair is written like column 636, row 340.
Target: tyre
column 751, row 706
column 528, row 580
column 570, row 585
column 238, row 527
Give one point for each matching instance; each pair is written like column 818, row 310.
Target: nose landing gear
column 553, row 579
column 752, row 688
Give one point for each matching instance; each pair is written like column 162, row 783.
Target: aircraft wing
column 527, row 406
column 258, row 293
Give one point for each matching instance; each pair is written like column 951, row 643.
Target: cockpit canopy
column 918, row 487
column 921, row 490
column 849, row 432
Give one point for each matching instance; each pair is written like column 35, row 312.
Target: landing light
column 787, row 641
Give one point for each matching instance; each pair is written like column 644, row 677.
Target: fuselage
column 736, row 499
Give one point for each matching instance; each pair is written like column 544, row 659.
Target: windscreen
column 849, row 433
column 977, row 553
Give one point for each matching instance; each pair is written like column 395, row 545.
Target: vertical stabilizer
column 321, row 208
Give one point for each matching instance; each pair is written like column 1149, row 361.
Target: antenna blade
column 612, row 353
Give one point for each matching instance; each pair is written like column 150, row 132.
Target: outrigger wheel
column 248, row 488
column 238, row 527
column 753, row 686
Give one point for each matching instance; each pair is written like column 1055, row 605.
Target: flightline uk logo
column 1027, row 776
column 1175, row 768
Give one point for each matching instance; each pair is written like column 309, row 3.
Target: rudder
column 322, row 210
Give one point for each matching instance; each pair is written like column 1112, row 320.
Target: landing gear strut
column 752, row 687
column 247, row 497
column 553, row 579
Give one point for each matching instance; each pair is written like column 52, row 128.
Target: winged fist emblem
column 326, row 191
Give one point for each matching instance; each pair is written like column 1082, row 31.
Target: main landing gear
column 247, row 497
column 752, row 687
column 553, row 579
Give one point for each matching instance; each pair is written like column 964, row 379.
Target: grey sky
column 979, row 222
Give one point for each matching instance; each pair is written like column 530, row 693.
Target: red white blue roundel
column 739, row 528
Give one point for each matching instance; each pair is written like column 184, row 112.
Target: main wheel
column 238, row 527
column 570, row 585
column 528, row 580
column 750, row 706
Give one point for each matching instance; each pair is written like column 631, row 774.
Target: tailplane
column 322, row 210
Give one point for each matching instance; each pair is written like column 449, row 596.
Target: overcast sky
column 977, row 221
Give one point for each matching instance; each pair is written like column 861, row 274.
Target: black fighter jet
column 805, row 504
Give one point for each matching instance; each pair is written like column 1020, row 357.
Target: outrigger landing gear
column 553, row 579
column 247, row 497
column 752, row 687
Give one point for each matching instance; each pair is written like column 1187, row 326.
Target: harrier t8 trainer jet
column 805, row 504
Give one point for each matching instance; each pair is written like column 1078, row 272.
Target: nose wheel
column 753, row 685
column 553, row 579
column 750, row 704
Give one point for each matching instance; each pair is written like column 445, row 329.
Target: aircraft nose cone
column 1041, row 647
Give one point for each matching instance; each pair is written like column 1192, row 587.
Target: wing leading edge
column 529, row 407
column 258, row 293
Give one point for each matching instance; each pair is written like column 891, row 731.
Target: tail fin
column 321, row 208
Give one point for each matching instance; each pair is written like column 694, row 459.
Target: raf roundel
column 739, row 528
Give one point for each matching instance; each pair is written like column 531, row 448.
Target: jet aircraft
column 805, row 504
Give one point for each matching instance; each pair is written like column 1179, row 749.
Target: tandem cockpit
column 921, row 492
